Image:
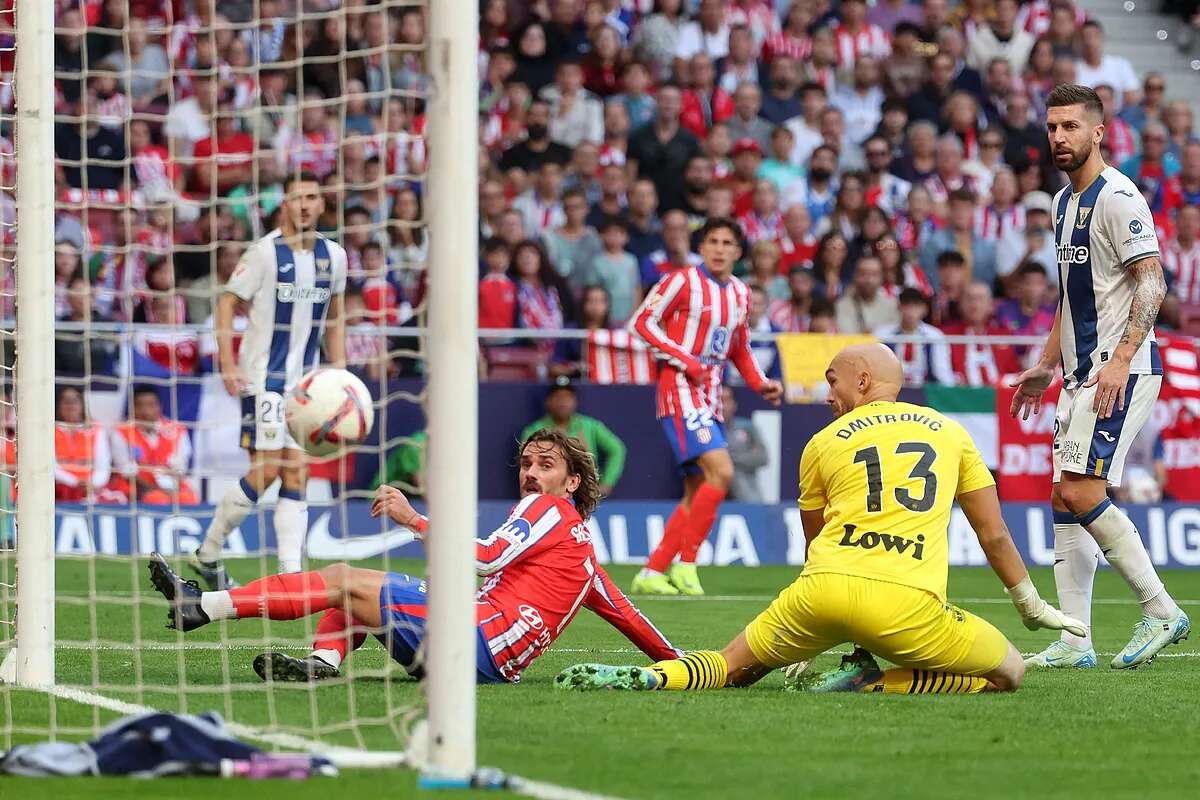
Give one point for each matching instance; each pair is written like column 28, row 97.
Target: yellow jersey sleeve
column 972, row 472
column 812, row 484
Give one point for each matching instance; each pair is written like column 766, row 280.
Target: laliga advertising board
column 1026, row 470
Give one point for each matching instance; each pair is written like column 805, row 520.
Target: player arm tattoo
column 1149, row 290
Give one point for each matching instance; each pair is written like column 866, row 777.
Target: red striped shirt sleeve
column 526, row 531
column 646, row 324
column 611, row 604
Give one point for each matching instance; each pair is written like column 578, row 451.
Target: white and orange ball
column 329, row 409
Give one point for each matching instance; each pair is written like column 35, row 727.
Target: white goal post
column 35, row 343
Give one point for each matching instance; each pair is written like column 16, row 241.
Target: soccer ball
column 329, row 409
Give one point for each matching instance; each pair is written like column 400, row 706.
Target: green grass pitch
column 1101, row 733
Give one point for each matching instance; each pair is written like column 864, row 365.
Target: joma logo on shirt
column 869, row 540
column 1073, row 254
column 288, row 293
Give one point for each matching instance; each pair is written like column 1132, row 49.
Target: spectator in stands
column 1094, row 67
column 573, row 246
column 927, row 103
column 831, row 265
column 617, row 271
column 1155, row 164
column 797, row 244
column 576, row 115
column 817, row 191
column 899, row 270
column 85, row 353
column 918, row 220
column 1029, row 312
column 405, row 465
column 535, row 60
column 675, row 253
column 745, row 123
column 707, row 33
column 224, row 161
column 948, row 173
column 612, row 201
column 656, row 39
column 366, row 343
column 741, row 66
column 765, row 352
column 979, row 363
column 822, row 317
column 905, row 70
column 959, row 235
column 861, row 102
column 884, row 189
column 1119, row 136
column 782, row 100
column 145, row 63
column 1151, row 106
column 765, row 270
column 746, row 450
column 1002, row 38
column 601, row 67
column 643, row 223
column 833, row 134
column 562, row 413
column 542, row 295
column 806, row 128
column 1034, row 242
column 855, row 38
column 541, row 205
column 952, row 279
column 202, row 291
column 697, row 177
column 1181, row 255
column 82, row 453
column 661, row 150
column 791, row 314
column 928, row 361
column 151, row 454
column 865, row 306
column 890, row 14
column 1179, row 121
column 497, row 292
column 536, row 148
column 189, row 120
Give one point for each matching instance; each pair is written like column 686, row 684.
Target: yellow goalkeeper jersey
column 887, row 474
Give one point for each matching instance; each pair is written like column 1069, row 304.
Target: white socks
column 218, row 605
column 230, row 511
column 291, row 528
column 1119, row 541
column 331, row 657
column 1076, row 556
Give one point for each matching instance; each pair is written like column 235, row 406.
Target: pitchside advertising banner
column 622, row 533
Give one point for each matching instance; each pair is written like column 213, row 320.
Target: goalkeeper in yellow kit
column 876, row 489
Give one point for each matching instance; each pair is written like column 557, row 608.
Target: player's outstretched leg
column 231, row 510
column 289, row 669
column 186, row 613
column 859, row 672
column 701, row 669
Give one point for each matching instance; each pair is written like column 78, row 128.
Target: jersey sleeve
column 972, row 472
column 247, row 276
column 812, row 483
column 526, row 531
column 341, row 270
column 611, row 604
column 647, row 321
column 1129, row 226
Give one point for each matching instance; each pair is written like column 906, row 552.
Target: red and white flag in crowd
column 1180, row 437
column 617, row 357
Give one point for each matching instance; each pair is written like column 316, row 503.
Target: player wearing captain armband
column 876, row 489
column 1110, row 288
column 539, row 570
column 694, row 320
column 292, row 281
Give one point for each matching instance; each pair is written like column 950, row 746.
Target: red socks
column 672, row 541
column 289, row 596
column 705, row 503
column 333, row 632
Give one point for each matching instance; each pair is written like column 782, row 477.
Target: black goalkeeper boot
column 184, row 596
column 282, row 667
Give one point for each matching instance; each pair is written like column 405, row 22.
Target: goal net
column 160, row 152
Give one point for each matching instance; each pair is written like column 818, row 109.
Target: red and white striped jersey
column 758, row 229
column 870, row 40
column 1034, row 17
column 783, row 44
column 540, row 570
column 1184, row 266
column 1121, row 140
column 617, row 357
column 693, row 324
column 994, row 224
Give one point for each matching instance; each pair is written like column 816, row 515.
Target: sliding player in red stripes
column 539, row 565
column 693, row 321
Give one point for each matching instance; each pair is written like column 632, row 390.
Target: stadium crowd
column 887, row 162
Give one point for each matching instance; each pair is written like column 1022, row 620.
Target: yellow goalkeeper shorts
column 907, row 626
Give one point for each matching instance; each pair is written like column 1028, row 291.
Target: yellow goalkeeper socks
column 923, row 681
column 702, row 669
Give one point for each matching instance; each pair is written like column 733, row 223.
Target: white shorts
column 1086, row 445
column 263, row 426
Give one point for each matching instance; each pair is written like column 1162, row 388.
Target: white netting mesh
column 177, row 122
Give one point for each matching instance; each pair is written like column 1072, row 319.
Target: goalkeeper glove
column 1037, row 613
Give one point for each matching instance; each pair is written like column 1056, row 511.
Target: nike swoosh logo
column 1130, row 659
column 323, row 545
column 1123, row 192
column 1056, row 660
